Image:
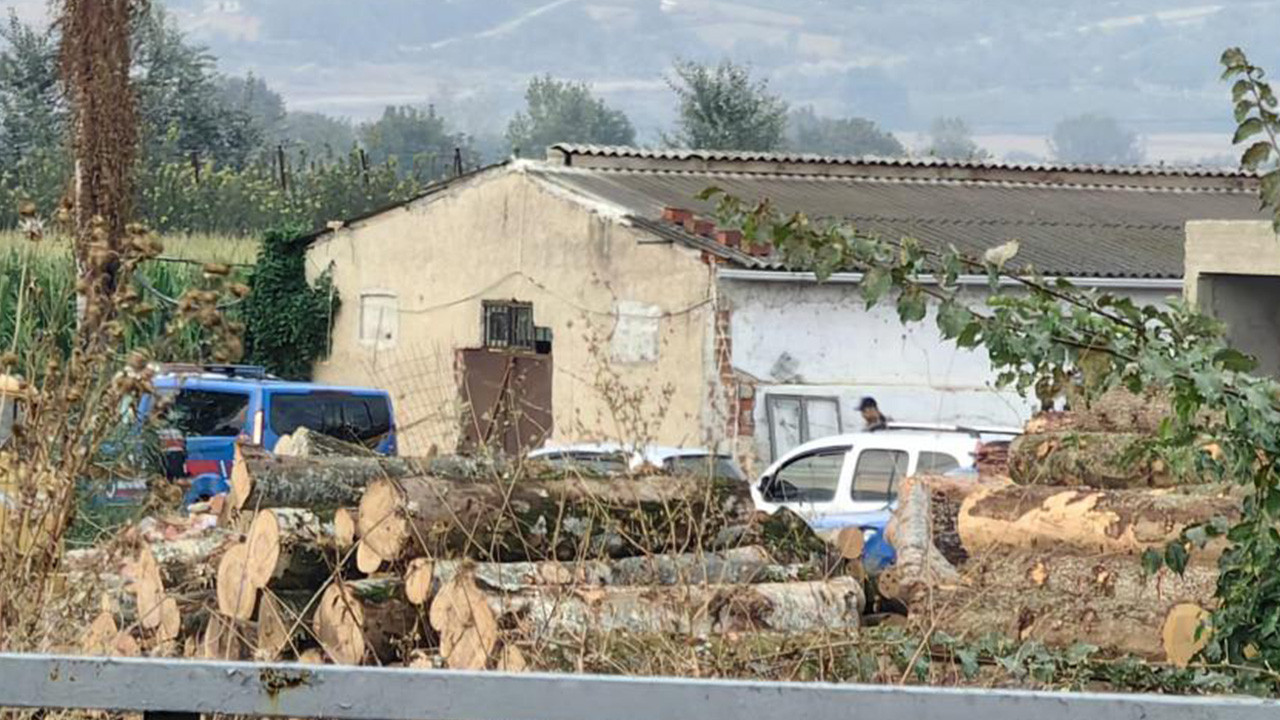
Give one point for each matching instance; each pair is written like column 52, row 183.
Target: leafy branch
column 1256, row 114
column 1039, row 333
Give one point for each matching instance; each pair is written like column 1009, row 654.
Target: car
column 615, row 459
column 851, row 480
column 207, row 409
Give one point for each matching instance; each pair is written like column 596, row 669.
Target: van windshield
column 207, row 413
column 364, row 419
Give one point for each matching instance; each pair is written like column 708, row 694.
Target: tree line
column 224, row 154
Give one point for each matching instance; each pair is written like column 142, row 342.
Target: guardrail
column 177, row 689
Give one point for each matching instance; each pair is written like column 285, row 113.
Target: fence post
column 284, row 173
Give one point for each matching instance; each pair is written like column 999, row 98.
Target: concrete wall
column 1233, row 274
column 798, row 338
column 630, row 320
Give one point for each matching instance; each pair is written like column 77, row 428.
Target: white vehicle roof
column 892, row 438
column 654, row 454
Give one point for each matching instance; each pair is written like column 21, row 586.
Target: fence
column 176, row 689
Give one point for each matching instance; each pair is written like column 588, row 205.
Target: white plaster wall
column 839, row 348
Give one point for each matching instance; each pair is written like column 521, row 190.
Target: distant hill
column 1007, row 66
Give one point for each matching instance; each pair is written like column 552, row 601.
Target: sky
column 1009, row 68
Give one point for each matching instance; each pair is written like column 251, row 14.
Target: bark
column 531, row 519
column 1116, row 410
column 919, row 564
column 739, row 566
column 1103, row 600
column 1090, row 459
column 322, row 484
column 564, row 613
column 1088, row 521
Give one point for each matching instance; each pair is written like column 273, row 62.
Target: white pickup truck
column 852, row 480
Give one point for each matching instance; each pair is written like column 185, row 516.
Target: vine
column 1226, row 421
column 288, row 320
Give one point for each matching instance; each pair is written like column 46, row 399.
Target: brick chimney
column 705, row 228
column 676, row 215
column 729, row 238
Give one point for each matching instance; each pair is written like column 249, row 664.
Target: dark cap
column 868, row 403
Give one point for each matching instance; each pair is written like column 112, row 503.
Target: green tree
column 319, row 134
column 253, row 98
column 564, row 111
column 723, row 108
column 32, row 110
column 418, row 140
column 1093, row 138
column 951, row 139
column 811, row 133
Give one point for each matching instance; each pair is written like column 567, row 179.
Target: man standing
column 871, row 415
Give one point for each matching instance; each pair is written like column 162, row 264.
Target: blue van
column 211, row 407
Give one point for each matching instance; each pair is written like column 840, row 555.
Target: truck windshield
column 207, row 413
column 364, row 419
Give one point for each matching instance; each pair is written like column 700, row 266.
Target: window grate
column 509, row 325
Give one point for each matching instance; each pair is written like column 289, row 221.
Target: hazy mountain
column 1008, row 67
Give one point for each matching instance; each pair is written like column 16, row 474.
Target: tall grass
column 46, row 309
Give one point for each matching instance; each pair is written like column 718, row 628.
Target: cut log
column 148, row 589
column 1090, row 459
column 285, row 549
column 275, row 628
column 305, row 442
column 738, row 566
column 226, row 639
column 919, row 564
column 1185, row 633
column 105, row 638
column 465, row 623
column 368, row 561
column 1103, row 600
column 531, row 519
column 361, row 616
column 344, row 528
column 237, row 593
column 261, row 480
column 564, row 613
column 1116, row 410
column 170, row 620
column 1087, row 521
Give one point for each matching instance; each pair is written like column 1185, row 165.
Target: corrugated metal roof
column 1069, row 229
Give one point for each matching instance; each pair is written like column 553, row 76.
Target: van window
column 364, row 419
column 936, row 463
column 809, row 478
column 877, row 474
column 207, row 413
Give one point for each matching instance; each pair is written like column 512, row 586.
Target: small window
column 877, row 474
column 809, row 478
column 796, row 419
column 934, row 463
column 379, row 318
column 509, row 325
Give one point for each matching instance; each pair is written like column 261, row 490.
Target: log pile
column 1055, row 554
column 330, row 554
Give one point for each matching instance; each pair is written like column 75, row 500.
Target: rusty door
column 506, row 397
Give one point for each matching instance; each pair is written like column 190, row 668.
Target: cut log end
column 338, row 624
column 274, row 626
column 344, row 527
column 419, row 581
column 236, row 592
column 382, row 526
column 170, row 620
column 262, row 548
column 850, row 543
column 148, row 589
column 466, row 625
column 240, row 481
column 1182, row 635
column 368, row 561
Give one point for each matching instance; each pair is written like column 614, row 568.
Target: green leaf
column 1269, row 189
column 912, row 305
column 1233, row 57
column 1197, row 535
column 1239, row 90
column 968, row 337
column 953, row 318
column 1248, row 129
column 1243, row 108
column 968, row 663
column 875, row 283
column 1175, row 556
column 1152, row 561
column 1232, row 359
column 1255, row 155
column 709, row 193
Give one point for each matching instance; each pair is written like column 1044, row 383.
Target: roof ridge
column 564, row 152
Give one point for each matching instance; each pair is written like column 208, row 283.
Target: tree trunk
column 321, row 484
column 1087, row 521
column 529, row 519
column 1103, row 600
column 551, row 612
column 1116, row 410
column 913, row 532
column 1090, row 459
